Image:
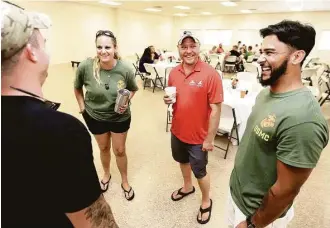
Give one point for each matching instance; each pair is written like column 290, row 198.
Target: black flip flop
column 105, row 185
column 182, row 194
column 127, row 192
column 203, row 211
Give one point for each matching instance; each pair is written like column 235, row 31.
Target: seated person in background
column 213, row 50
column 154, row 54
column 248, row 53
column 220, row 49
column 242, row 51
column 239, row 61
column 147, row 57
column 235, row 51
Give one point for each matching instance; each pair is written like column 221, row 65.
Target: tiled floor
column 154, row 175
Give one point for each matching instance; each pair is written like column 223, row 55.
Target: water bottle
column 122, row 99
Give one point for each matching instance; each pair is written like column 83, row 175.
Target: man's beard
column 276, row 73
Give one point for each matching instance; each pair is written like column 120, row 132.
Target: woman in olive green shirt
column 102, row 77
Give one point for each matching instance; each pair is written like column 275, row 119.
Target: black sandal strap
column 128, row 190
column 106, row 182
column 203, row 211
column 127, row 193
column 183, row 194
column 209, row 209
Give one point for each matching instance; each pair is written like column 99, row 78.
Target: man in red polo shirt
column 196, row 115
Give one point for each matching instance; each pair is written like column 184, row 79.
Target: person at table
column 235, row 52
column 146, row 57
column 154, row 54
column 197, row 85
column 248, row 53
column 242, row 51
column 220, row 49
column 286, row 142
column 213, row 50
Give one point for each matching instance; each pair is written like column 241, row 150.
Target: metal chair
column 228, row 123
column 325, row 89
column 153, row 76
column 230, row 64
column 137, row 71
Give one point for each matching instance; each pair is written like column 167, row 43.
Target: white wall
column 320, row 21
column 74, row 27
column 136, row 31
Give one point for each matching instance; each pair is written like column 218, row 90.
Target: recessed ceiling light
column 246, row 11
column 229, row 3
column 153, row 9
column 182, row 7
column 180, row 14
column 112, row 3
column 206, row 13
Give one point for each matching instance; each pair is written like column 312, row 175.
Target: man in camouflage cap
column 49, row 178
column 22, row 44
column 17, row 27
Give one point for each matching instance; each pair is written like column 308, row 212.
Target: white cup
column 171, row 92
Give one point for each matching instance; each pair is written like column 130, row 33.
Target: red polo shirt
column 195, row 93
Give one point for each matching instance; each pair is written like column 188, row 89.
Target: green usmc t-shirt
column 288, row 127
column 100, row 101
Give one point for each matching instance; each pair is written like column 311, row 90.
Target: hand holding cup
column 170, row 95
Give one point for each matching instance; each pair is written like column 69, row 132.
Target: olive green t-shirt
column 288, row 127
column 99, row 101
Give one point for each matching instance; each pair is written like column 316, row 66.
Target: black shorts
column 190, row 153
column 97, row 127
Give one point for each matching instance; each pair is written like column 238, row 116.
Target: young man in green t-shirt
column 284, row 137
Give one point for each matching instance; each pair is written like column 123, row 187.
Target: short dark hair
column 250, row 48
column 293, row 33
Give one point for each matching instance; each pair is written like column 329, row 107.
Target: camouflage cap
column 17, row 26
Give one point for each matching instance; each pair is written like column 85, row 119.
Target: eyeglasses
column 105, row 32
column 49, row 104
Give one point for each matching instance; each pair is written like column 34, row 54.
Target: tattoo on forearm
column 100, row 214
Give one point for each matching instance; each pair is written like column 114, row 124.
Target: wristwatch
column 249, row 222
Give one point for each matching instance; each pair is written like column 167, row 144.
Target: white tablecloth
column 163, row 69
column 243, row 106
